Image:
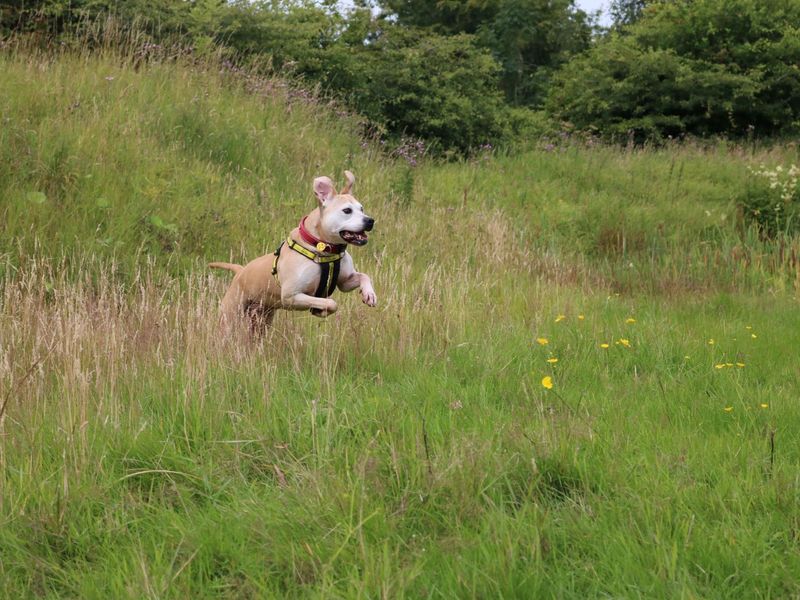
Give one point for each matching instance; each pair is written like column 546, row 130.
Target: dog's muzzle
column 358, row 238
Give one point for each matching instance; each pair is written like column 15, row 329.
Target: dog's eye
column 347, row 211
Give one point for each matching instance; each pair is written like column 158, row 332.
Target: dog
column 306, row 268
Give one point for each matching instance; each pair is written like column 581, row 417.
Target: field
column 412, row 450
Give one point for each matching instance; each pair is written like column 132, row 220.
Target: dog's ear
column 351, row 179
column 324, row 190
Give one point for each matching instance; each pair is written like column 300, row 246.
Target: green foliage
column 771, row 200
column 529, row 38
column 442, row 89
column 407, row 82
column 445, row 16
column 620, row 89
column 705, row 67
column 57, row 16
column 625, row 12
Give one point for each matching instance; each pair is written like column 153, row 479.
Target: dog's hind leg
column 233, row 310
column 259, row 318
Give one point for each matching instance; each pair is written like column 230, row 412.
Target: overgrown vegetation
column 407, row 451
column 461, row 75
column 771, row 200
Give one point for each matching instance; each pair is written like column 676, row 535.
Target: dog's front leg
column 325, row 306
column 350, row 279
column 367, row 291
column 356, row 280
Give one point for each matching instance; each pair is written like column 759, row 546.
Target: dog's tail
column 230, row 266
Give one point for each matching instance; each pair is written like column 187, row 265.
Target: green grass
column 405, row 451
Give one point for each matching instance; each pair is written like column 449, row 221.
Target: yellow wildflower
column 748, row 327
column 552, row 361
column 740, row 365
column 720, row 366
column 753, row 335
column 630, row 320
column 560, row 318
column 764, row 405
column 604, row 345
column 728, row 408
column 581, row 317
column 542, row 341
column 624, row 342
column 547, row 382
column 711, row 342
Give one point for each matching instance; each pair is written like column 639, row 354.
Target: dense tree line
column 461, row 73
column 701, row 67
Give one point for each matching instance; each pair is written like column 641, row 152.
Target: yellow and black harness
column 329, row 265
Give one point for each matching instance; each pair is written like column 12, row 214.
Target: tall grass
column 406, row 451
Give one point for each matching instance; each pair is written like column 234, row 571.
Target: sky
column 593, row 5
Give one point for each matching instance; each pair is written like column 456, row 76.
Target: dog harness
column 329, row 264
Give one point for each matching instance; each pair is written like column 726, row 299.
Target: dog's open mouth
column 357, row 238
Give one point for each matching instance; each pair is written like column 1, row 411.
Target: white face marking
column 342, row 213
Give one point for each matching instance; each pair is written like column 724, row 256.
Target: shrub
column 441, row 89
column 771, row 200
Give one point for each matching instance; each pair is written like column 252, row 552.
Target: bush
column 441, row 89
column 621, row 89
column 771, row 200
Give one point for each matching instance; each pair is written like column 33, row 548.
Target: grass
column 406, row 451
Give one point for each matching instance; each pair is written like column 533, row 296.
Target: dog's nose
column 369, row 222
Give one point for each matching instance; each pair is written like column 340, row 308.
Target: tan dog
column 304, row 271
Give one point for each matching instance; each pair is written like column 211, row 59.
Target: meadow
column 581, row 379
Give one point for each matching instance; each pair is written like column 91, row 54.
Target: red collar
column 318, row 243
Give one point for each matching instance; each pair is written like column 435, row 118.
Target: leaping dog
column 307, row 267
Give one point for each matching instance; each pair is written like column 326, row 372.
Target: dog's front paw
column 369, row 297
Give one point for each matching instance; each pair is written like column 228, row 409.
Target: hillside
column 416, row 449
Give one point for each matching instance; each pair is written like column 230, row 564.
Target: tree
column 440, row 88
column 626, row 12
column 701, row 67
column 447, row 17
column 528, row 38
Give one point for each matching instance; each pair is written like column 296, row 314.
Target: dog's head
column 341, row 216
